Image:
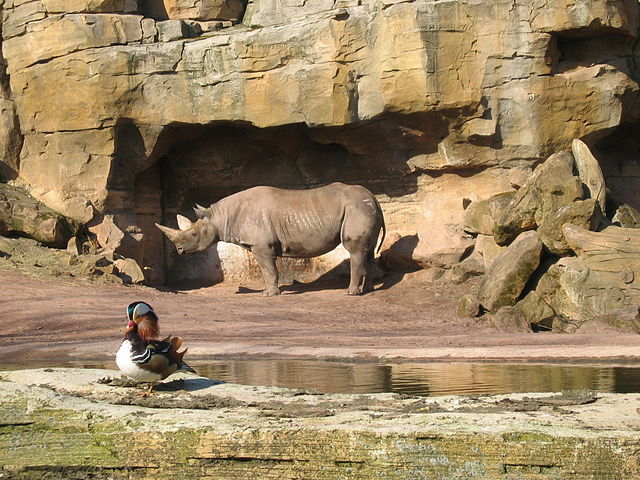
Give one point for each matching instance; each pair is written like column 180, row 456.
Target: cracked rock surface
column 207, row 429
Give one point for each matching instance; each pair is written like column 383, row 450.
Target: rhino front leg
column 358, row 263
column 267, row 262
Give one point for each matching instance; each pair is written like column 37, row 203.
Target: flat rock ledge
column 79, row 423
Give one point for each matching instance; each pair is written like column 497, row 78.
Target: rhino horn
column 171, row 233
column 183, row 222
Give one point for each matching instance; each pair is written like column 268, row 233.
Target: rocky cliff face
column 129, row 112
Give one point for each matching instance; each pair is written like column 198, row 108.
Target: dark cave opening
column 619, row 157
column 204, row 163
column 596, row 45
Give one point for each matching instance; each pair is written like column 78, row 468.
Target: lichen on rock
column 62, row 422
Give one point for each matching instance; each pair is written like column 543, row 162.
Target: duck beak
column 130, row 326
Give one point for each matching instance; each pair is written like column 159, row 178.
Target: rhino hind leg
column 368, row 276
column 359, row 235
column 358, row 263
column 267, row 262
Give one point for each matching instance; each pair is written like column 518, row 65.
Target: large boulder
column 601, row 283
column 590, row 172
column 626, row 216
column 551, row 187
column 480, row 217
column 505, row 280
column 615, row 249
column 22, row 215
column 582, row 213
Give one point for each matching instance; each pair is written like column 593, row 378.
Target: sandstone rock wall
column 76, row 423
column 10, row 137
column 132, row 111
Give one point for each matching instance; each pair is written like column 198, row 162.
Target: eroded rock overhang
column 446, row 96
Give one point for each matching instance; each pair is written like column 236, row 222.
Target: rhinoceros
column 273, row 222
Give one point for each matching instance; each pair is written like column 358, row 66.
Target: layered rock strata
column 127, row 119
column 22, row 215
column 63, row 423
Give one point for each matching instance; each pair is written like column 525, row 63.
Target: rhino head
column 192, row 237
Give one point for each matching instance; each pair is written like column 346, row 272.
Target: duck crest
column 145, row 318
column 148, row 328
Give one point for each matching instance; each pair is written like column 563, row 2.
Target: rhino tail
column 384, row 227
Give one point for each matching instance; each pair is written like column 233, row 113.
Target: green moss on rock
column 75, row 431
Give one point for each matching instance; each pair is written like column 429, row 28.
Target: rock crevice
column 454, row 98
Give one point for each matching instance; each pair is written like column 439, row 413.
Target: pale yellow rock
column 68, row 171
column 17, row 16
column 488, row 248
column 590, row 172
column 90, row 6
column 440, row 227
column 431, row 102
column 129, row 270
column 59, row 35
column 202, row 9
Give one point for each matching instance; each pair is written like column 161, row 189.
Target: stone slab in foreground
column 74, row 423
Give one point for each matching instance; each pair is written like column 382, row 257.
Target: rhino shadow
column 335, row 279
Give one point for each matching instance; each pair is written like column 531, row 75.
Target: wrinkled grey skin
column 273, row 222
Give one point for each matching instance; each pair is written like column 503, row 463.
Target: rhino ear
column 183, row 222
column 200, row 211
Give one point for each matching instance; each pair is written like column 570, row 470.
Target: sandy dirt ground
column 47, row 319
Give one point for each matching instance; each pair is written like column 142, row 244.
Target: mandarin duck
column 142, row 356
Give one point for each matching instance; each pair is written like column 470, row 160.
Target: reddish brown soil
column 48, row 319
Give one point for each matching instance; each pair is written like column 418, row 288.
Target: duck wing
column 176, row 343
column 162, row 355
column 154, row 347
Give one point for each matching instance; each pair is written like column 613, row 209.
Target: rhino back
column 298, row 223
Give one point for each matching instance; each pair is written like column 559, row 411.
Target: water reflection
column 429, row 379
column 425, row 379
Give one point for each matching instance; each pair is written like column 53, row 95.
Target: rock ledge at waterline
column 74, row 421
